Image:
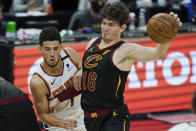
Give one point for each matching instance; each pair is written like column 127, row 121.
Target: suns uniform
column 102, row 90
column 56, row 84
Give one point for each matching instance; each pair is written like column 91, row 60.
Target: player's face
column 111, row 30
column 51, row 52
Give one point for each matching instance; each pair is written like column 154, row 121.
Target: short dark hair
column 116, row 11
column 49, row 34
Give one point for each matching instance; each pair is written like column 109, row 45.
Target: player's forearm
column 161, row 50
column 68, row 94
column 50, row 120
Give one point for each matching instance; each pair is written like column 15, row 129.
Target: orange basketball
column 162, row 28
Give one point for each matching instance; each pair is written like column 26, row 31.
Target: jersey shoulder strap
column 64, row 54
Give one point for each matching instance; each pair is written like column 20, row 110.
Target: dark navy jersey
column 103, row 83
column 8, row 90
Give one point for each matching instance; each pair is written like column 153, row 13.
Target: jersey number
column 62, row 88
column 91, row 81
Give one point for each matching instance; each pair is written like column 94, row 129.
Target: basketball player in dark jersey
column 16, row 111
column 106, row 64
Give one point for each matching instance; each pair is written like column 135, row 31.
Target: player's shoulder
column 93, row 39
column 70, row 51
column 36, row 81
column 91, row 42
column 128, row 45
column 67, row 49
column 38, row 86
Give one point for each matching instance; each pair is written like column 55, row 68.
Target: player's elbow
column 42, row 116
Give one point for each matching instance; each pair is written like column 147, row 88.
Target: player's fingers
column 75, row 82
column 171, row 13
column 175, row 16
column 70, row 123
column 180, row 23
column 70, row 128
column 50, row 106
column 79, row 81
column 51, row 109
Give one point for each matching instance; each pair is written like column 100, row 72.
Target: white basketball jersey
column 56, row 84
column 187, row 126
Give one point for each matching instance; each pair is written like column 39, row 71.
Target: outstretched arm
column 149, row 53
column 128, row 53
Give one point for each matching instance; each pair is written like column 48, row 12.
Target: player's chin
column 106, row 38
column 52, row 64
column 105, row 35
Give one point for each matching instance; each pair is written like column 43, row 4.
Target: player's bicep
column 39, row 97
column 141, row 53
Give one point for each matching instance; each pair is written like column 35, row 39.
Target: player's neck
column 105, row 44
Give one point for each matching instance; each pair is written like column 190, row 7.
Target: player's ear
column 123, row 27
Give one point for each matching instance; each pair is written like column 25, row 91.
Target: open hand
column 176, row 18
column 69, row 124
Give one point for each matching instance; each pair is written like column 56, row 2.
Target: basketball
column 162, row 28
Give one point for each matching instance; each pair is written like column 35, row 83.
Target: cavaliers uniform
column 16, row 109
column 103, row 86
column 56, row 84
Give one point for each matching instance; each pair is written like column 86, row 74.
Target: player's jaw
column 106, row 36
column 109, row 36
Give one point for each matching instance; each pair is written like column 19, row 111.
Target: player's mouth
column 105, row 33
column 52, row 60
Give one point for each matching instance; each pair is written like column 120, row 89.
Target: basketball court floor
column 161, row 121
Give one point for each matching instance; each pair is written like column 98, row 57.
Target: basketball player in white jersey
column 59, row 72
